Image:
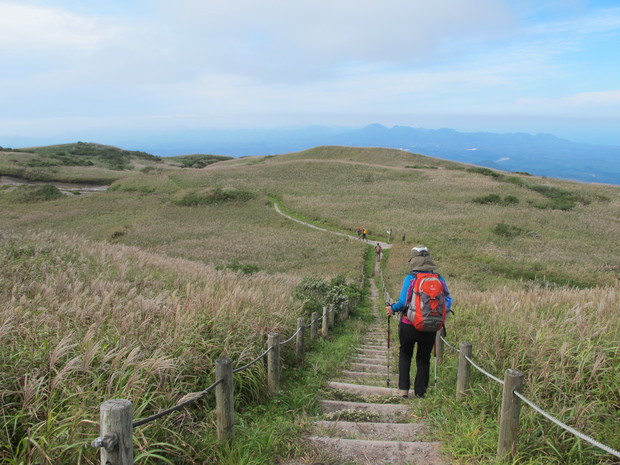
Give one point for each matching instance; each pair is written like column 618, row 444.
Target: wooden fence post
column 116, row 441
column 332, row 315
column 439, row 345
column 314, row 326
column 325, row 326
column 344, row 310
column 273, row 363
column 464, row 370
column 225, row 400
column 509, row 415
column 301, row 340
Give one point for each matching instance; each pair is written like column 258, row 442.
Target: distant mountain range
column 541, row 154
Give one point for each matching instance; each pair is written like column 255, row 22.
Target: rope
column 568, row 428
column 547, row 415
column 202, row 393
column 237, row 370
column 483, row 371
column 176, row 407
column 290, row 338
column 450, row 345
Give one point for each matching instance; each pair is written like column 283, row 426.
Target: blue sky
column 70, row 69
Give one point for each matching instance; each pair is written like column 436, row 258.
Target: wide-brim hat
column 421, row 260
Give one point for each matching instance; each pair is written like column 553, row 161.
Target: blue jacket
column 400, row 305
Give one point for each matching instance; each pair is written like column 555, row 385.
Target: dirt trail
column 372, row 243
column 65, row 187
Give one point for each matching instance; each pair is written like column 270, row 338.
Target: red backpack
column 426, row 302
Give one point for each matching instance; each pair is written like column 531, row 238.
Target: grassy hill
column 88, row 163
column 134, row 291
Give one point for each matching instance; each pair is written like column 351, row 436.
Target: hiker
column 420, row 262
column 364, row 232
column 359, row 233
column 378, row 251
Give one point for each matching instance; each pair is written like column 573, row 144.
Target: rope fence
column 512, row 383
column 116, row 416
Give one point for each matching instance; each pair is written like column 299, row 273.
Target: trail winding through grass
column 384, row 245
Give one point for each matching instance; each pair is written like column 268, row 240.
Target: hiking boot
column 403, row 393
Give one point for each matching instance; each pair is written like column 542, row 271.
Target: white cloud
column 30, row 28
column 304, row 40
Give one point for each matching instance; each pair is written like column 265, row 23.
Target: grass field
column 135, row 291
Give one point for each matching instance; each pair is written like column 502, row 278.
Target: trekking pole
column 435, row 353
column 389, row 337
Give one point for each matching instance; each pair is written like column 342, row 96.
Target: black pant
column 408, row 337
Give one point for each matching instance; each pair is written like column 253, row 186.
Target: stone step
column 371, row 431
column 371, row 360
column 361, row 374
column 362, row 389
column 376, row 382
column 380, row 349
column 363, row 411
column 367, row 377
column 380, row 452
column 370, row 367
column 372, row 352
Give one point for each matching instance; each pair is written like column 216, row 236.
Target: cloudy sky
column 68, row 67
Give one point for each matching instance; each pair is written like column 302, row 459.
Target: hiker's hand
column 389, row 311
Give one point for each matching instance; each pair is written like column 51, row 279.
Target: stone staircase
column 366, row 422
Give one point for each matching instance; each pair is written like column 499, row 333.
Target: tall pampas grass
column 83, row 322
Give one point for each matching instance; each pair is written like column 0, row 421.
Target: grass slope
column 533, row 265
column 88, row 162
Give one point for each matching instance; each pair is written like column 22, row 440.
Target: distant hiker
column 359, row 233
column 378, row 251
column 364, row 232
column 403, row 238
column 415, row 326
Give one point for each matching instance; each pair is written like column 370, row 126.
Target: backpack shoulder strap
column 414, row 276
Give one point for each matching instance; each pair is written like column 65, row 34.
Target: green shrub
column 312, row 292
column 506, row 230
column 485, row 171
column 36, row 193
column 40, row 163
column 496, row 199
column 561, row 199
column 514, row 180
column 491, row 198
column 316, row 292
column 239, row 267
column 557, row 204
column 213, row 196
